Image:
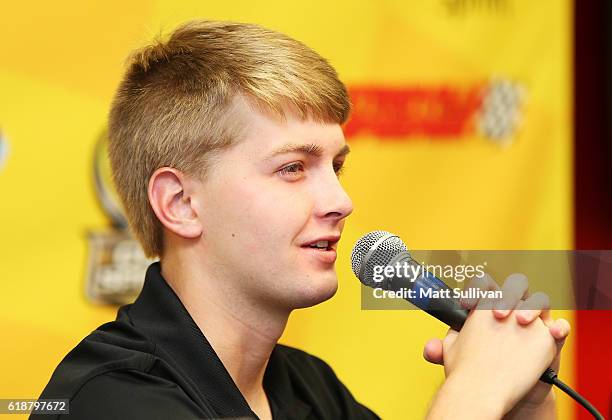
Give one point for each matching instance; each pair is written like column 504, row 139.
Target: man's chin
column 314, row 293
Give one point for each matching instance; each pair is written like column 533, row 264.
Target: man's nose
column 334, row 202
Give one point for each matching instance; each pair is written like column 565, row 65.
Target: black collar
column 160, row 314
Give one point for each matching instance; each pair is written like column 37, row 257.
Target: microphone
column 382, row 249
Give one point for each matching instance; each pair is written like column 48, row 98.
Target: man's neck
column 242, row 333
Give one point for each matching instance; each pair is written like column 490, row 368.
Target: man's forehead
column 274, row 135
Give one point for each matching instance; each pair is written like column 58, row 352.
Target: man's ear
column 171, row 201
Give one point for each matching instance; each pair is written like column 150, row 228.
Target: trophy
column 116, row 264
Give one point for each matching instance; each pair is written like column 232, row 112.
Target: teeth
column 320, row 244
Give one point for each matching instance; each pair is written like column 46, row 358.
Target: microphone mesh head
column 384, row 246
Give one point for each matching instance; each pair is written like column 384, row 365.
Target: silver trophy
column 116, row 264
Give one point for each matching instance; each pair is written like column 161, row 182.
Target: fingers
column 560, row 329
column 537, row 305
column 515, row 288
column 485, row 282
column 514, row 292
column 432, row 352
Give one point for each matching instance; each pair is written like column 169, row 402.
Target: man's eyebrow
column 308, row 149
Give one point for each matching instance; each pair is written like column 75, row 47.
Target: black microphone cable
column 550, row 377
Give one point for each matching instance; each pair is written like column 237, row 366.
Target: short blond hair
column 174, row 103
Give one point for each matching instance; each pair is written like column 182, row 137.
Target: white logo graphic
column 501, row 111
column 3, row 149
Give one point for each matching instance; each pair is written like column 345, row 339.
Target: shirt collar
column 160, row 314
column 163, row 318
column 279, row 388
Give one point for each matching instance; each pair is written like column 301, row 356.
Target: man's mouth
column 323, row 249
column 323, row 243
column 320, row 245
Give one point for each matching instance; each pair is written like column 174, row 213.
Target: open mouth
column 321, row 245
column 328, row 243
column 324, row 249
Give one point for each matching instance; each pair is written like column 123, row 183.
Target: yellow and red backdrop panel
column 461, row 138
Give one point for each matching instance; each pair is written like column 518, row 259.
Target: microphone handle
column 426, row 287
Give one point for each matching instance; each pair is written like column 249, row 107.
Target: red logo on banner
column 490, row 109
column 438, row 112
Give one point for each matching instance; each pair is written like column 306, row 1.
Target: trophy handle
column 105, row 197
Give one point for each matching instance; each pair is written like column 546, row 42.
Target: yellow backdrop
column 59, row 65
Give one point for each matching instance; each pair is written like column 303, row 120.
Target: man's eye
column 292, row 169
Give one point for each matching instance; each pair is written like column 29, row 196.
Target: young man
column 226, row 145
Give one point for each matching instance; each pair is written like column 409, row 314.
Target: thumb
column 432, row 352
column 559, row 329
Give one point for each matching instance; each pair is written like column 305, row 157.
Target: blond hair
column 174, row 104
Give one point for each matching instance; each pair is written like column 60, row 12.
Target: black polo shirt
column 153, row 362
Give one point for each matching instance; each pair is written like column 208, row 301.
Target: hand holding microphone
column 502, row 349
column 517, row 307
